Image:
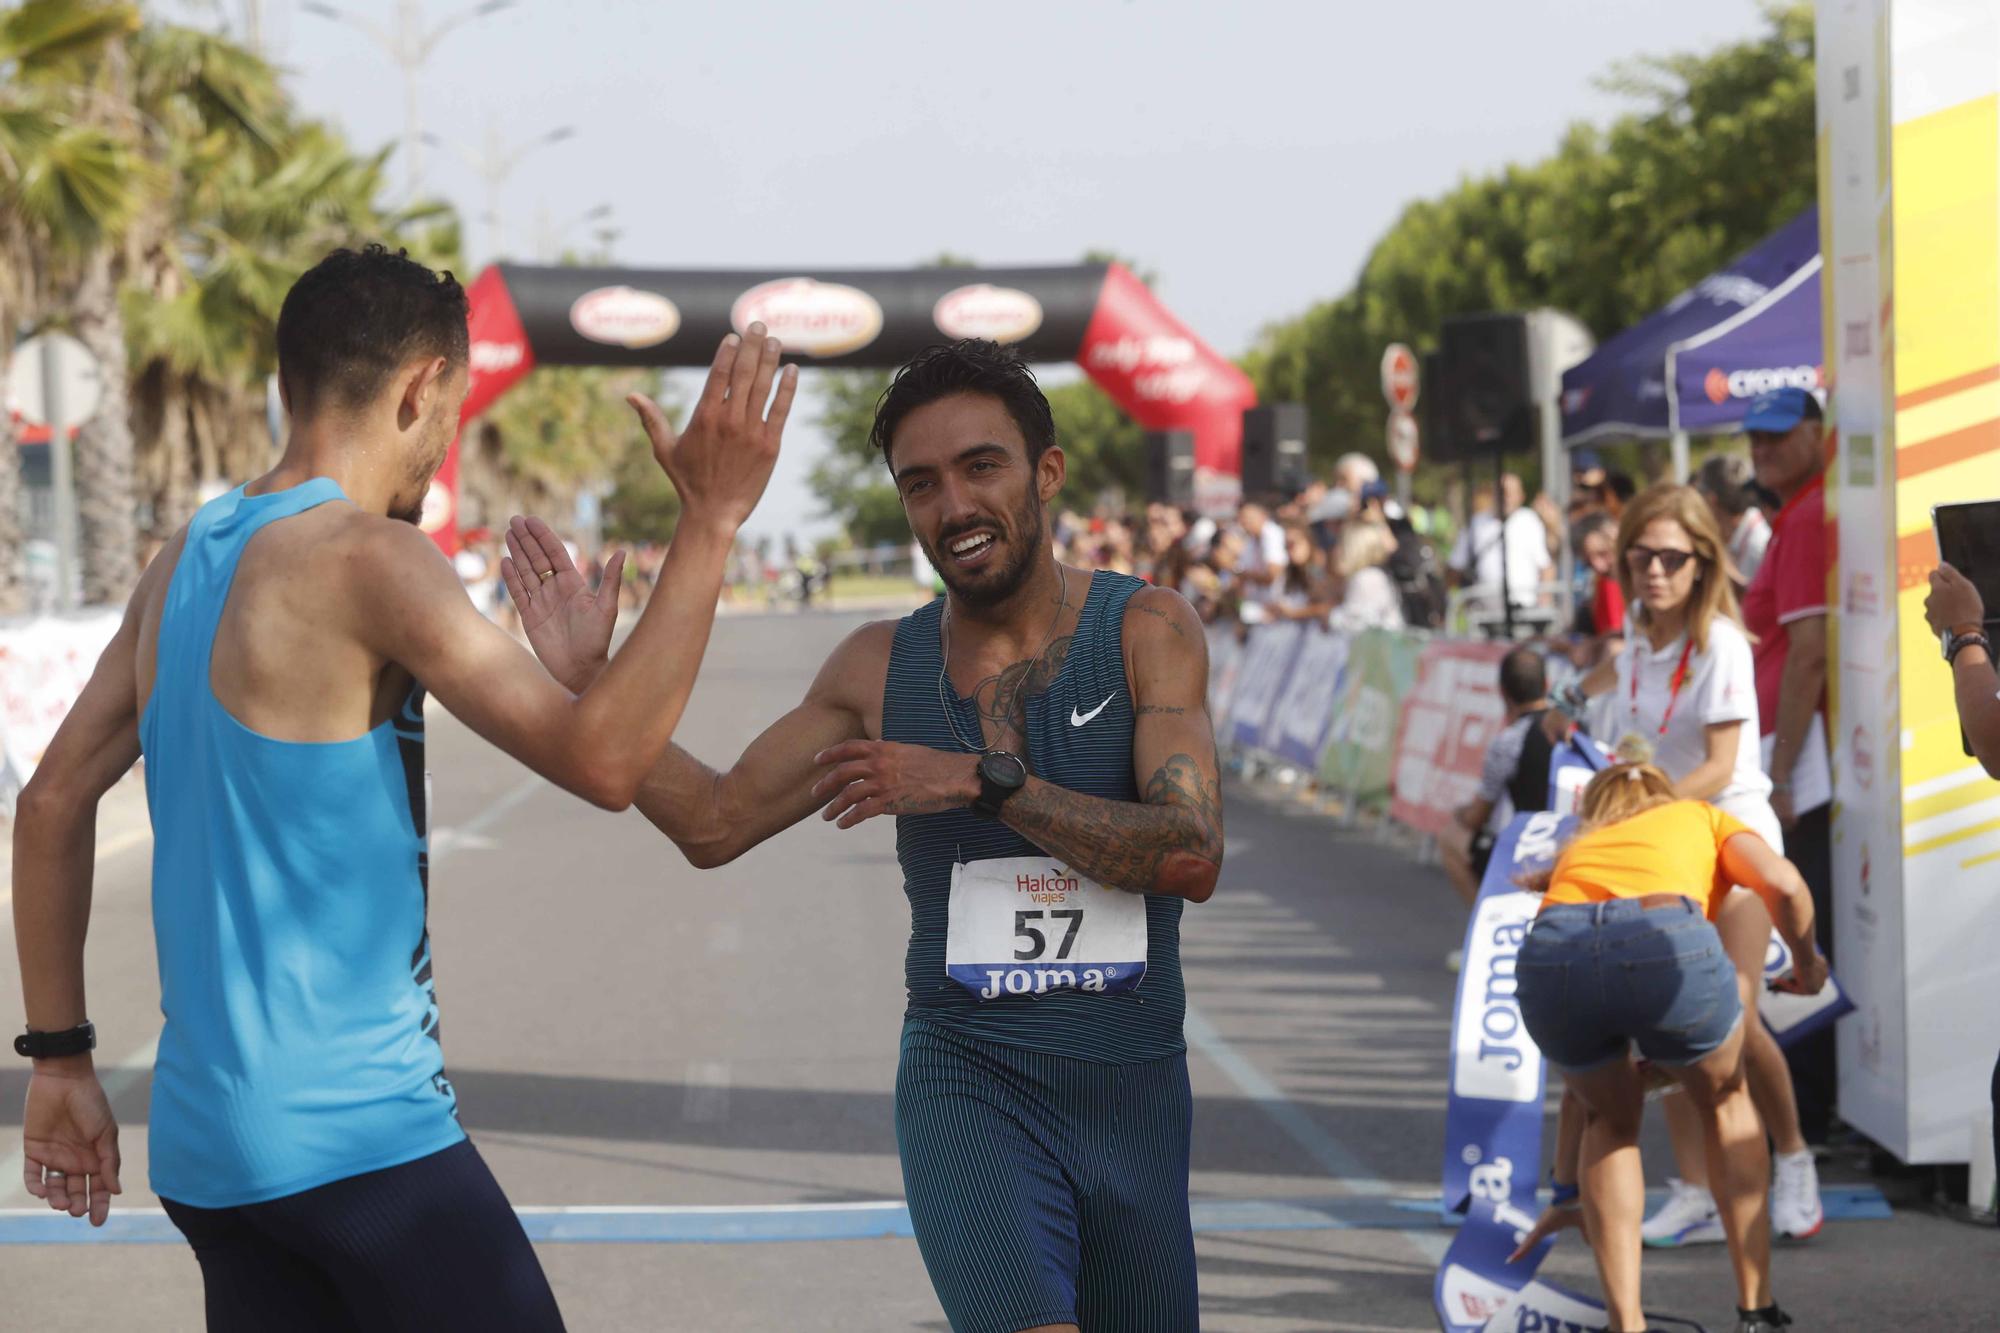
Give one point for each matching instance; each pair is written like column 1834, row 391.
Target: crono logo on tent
column 624, row 317
column 984, row 311
column 815, row 318
column 1721, row 385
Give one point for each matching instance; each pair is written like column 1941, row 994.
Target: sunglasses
column 1641, row 559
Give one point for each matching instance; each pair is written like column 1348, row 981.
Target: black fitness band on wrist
column 54, row 1045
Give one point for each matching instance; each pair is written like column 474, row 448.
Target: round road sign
column 1403, row 440
column 1399, row 377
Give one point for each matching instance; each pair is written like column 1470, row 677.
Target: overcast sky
column 1247, row 151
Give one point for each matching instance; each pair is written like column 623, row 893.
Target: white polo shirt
column 1720, row 685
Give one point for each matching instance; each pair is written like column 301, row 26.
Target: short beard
column 998, row 587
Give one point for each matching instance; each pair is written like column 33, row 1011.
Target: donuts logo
column 982, row 310
column 624, row 317
column 811, row 317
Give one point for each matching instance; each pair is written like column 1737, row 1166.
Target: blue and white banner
column 1793, row 1018
column 1571, row 767
column 1543, row 1307
column 1475, row 1284
column 1303, row 717
column 1267, row 662
column 1493, row 1118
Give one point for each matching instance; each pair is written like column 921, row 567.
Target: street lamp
column 493, row 164
column 549, row 235
column 409, row 45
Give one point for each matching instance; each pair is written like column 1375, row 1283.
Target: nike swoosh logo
column 1077, row 719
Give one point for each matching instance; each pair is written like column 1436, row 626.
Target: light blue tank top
column 290, row 882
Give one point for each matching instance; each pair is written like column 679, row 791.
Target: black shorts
column 428, row 1245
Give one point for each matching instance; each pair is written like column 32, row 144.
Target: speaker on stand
column 1488, row 407
column 1274, row 451
column 1170, row 468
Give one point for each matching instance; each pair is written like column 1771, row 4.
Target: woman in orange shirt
column 1622, row 955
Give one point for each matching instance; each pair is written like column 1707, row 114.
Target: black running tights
column 428, row 1246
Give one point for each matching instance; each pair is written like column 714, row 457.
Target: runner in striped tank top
column 1042, row 738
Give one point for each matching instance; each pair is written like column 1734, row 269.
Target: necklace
column 944, row 662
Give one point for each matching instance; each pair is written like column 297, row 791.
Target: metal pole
column 1500, row 508
column 62, row 484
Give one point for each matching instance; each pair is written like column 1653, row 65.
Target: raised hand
column 567, row 625
column 1953, row 601
column 70, row 1144
column 722, row 461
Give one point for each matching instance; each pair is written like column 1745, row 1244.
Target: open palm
column 567, row 625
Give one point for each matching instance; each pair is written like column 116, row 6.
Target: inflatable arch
column 1098, row 315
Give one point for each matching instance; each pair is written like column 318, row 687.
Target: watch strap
column 1958, row 643
column 34, row 1045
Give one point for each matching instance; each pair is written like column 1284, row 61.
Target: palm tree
column 66, row 185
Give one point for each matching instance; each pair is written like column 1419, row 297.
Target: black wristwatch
column 1000, row 776
column 1956, row 643
column 53, row 1045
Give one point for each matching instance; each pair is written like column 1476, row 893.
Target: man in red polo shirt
column 1785, row 611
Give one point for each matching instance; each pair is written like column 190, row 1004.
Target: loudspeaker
column 1433, row 422
column 1170, row 468
column 1488, row 409
column 1274, row 450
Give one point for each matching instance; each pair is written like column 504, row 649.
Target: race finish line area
column 887, row 1219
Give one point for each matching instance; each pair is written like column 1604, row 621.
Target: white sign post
column 1399, row 386
column 56, row 382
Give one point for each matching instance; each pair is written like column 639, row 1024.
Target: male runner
column 1042, row 735
column 271, row 668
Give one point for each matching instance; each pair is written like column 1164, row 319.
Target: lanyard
column 1673, row 689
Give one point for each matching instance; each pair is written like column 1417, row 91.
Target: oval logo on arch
column 624, row 317
column 810, row 317
column 981, row 310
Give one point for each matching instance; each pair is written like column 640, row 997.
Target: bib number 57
column 1038, row 942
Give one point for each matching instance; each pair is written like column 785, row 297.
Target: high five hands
column 719, row 465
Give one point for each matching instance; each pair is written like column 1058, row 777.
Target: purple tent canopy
column 1752, row 326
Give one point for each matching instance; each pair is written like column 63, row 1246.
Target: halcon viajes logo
column 810, row 317
column 982, row 310
column 624, row 317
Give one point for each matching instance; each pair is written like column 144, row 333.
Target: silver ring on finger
column 546, row 574
column 53, row 1174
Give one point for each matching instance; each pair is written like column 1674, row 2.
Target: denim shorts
column 1596, row 977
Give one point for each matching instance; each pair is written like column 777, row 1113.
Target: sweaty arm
column 67, row 1125
column 1170, row 840
column 714, row 817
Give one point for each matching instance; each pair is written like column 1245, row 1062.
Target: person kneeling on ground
column 1621, row 954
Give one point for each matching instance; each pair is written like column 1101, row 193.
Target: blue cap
column 1585, row 460
column 1780, row 410
column 1374, row 490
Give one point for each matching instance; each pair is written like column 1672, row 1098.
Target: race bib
column 1025, row 925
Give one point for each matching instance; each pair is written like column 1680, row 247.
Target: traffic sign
column 1399, row 377
column 1403, row 440
column 77, row 384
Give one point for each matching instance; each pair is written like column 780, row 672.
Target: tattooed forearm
column 1170, row 843
column 1144, row 710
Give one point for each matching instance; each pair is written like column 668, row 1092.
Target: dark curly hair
column 969, row 365
column 356, row 317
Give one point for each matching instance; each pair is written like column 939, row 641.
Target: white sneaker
column 1688, row 1217
column 1795, row 1209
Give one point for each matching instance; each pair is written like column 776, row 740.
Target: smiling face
column 1660, row 543
column 975, row 502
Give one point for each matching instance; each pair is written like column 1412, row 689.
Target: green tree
column 1718, row 153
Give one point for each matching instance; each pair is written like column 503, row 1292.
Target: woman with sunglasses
column 1682, row 694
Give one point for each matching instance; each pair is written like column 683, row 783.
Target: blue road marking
column 888, row 1218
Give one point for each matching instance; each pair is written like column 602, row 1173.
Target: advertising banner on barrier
column 1299, row 724
column 1359, row 758
column 1448, row 721
column 1225, row 661
column 1493, row 1110
column 44, row 664
column 1267, row 661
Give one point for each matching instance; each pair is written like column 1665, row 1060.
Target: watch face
column 1003, row 769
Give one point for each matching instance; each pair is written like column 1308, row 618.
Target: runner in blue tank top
column 1042, row 736
column 271, row 668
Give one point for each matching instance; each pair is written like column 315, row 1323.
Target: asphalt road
column 625, row 1031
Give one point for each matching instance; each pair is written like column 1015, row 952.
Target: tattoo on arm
column 1161, row 709
column 1169, row 843
column 1163, row 617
